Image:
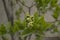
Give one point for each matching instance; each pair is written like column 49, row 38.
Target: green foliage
column 30, row 25
column 18, row 25
column 27, row 32
column 54, row 3
column 56, row 12
column 18, row 12
column 55, row 15
column 34, row 24
column 36, row 17
column 42, row 3
column 38, row 26
column 55, row 29
column 2, row 29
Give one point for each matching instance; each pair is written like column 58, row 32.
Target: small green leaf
column 18, row 12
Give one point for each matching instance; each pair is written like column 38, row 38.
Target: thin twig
column 54, row 21
column 26, row 6
column 23, row 4
column 32, row 5
column 29, row 9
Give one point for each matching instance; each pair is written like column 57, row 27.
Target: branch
column 9, row 16
column 32, row 5
column 23, row 4
column 7, row 12
column 23, row 10
column 26, row 6
column 53, row 21
column 52, row 26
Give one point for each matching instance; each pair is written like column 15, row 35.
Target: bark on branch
column 9, row 13
column 6, row 10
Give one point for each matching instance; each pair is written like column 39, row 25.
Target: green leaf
column 55, row 15
column 36, row 16
column 47, row 1
column 42, row 4
column 39, row 3
column 57, row 9
column 53, row 3
column 19, row 25
column 15, row 29
column 18, row 12
column 26, row 32
column 56, row 12
column 43, row 24
column 2, row 29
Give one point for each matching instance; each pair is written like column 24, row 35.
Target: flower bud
column 30, row 24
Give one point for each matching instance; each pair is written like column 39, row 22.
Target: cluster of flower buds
column 29, row 20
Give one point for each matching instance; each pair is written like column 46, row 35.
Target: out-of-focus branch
column 23, row 4
column 32, row 5
column 53, row 24
column 22, row 10
column 9, row 14
column 26, row 6
column 54, row 21
column 6, row 10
